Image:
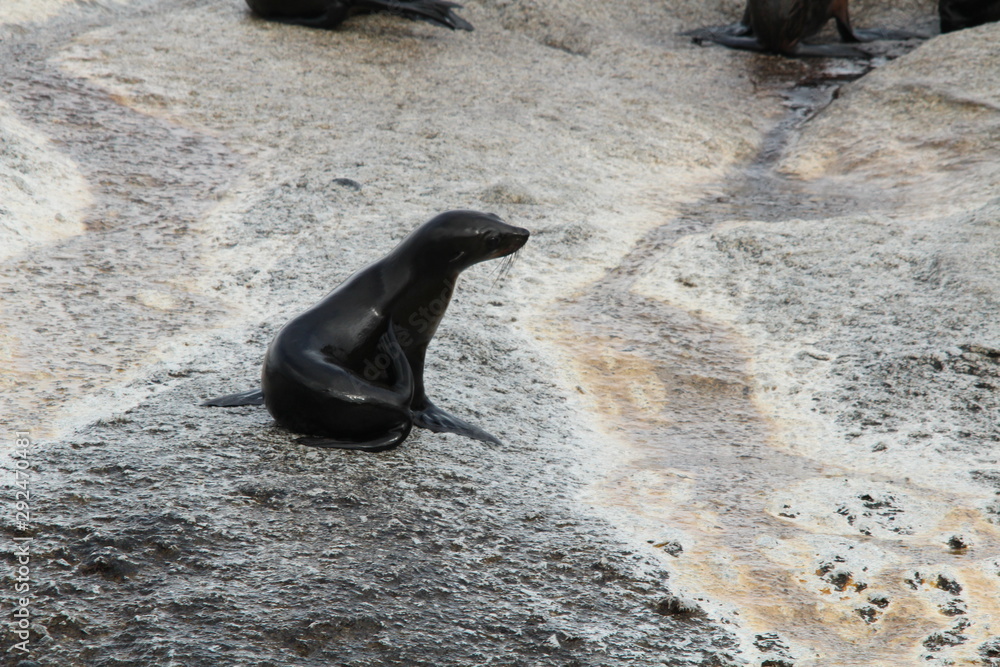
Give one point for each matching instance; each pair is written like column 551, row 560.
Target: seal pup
column 349, row 372
column 961, row 14
column 328, row 14
column 779, row 26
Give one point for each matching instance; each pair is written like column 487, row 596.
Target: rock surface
column 746, row 369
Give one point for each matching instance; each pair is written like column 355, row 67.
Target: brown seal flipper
column 252, row 397
column 390, row 440
column 878, row 34
column 328, row 14
column 437, row 420
column 428, row 416
column 797, row 50
column 435, row 12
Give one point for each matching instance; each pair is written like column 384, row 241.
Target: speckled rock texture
column 745, row 370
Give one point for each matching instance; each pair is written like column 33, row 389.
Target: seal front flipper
column 437, row 420
column 252, row 397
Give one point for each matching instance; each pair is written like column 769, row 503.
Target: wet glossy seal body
column 961, row 14
column 328, row 14
column 779, row 26
column 349, row 371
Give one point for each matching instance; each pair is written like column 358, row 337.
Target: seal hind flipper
column 699, row 35
column 798, row 51
column 390, row 440
column 876, row 34
column 330, row 14
column 437, row 420
column 326, row 21
column 726, row 38
column 436, row 12
column 828, row 51
column 252, row 397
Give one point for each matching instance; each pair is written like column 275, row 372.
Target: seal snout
column 517, row 237
column 512, row 240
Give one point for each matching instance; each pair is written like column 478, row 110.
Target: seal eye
column 492, row 240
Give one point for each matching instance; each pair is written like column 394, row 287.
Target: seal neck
column 409, row 261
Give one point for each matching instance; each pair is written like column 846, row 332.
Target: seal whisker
column 505, row 267
column 509, row 265
column 498, row 273
column 497, row 269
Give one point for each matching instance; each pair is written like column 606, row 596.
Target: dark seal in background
column 329, row 14
column 959, row 14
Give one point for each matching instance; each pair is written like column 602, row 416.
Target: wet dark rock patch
column 250, row 549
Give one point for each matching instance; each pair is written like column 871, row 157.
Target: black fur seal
column 349, row 372
column 961, row 14
column 779, row 26
column 328, row 14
